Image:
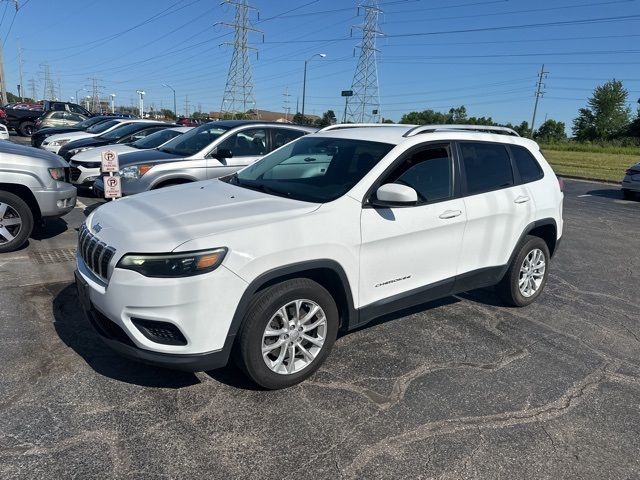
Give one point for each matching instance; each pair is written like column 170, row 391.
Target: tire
column 509, row 287
column 266, row 310
column 26, row 129
column 628, row 194
column 12, row 210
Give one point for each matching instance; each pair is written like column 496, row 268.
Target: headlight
column 168, row 265
column 134, row 172
column 75, row 151
column 59, row 143
column 57, row 173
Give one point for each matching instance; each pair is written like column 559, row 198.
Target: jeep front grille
column 96, row 254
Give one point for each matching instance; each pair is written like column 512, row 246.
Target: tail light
column 561, row 184
column 3, row 113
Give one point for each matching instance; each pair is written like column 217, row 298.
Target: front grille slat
column 96, row 254
column 75, row 174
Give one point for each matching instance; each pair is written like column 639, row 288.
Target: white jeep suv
column 323, row 234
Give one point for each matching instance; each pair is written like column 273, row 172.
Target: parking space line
column 79, row 204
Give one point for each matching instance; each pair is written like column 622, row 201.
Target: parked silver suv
column 33, row 185
column 212, row 150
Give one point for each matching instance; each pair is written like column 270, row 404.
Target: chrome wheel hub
column 10, row 223
column 294, row 336
column 531, row 272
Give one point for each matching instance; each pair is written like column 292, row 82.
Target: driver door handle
column 450, row 214
column 522, row 199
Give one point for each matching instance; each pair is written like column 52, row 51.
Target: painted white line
column 79, row 204
column 586, row 195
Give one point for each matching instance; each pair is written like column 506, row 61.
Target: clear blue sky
column 492, row 71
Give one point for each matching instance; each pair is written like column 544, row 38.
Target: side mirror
column 222, row 153
column 395, row 195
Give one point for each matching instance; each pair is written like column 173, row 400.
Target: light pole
column 304, row 81
column 175, row 111
column 77, row 97
column 113, row 102
column 141, row 95
column 87, row 98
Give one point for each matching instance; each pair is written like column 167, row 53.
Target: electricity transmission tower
column 286, row 103
column 96, row 91
column 49, row 91
column 539, row 93
column 364, row 105
column 33, row 87
column 238, row 96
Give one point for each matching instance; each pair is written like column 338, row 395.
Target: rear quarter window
column 527, row 165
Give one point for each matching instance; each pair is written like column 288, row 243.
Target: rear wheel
column 26, row 129
column 16, row 222
column 287, row 333
column 527, row 275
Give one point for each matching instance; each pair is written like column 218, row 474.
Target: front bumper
column 50, row 148
column 187, row 303
column 631, row 183
column 81, row 175
column 58, row 202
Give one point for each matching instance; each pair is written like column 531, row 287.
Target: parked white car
column 325, row 233
column 55, row 142
column 85, row 166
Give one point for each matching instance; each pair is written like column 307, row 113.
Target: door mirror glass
column 395, row 195
column 222, row 153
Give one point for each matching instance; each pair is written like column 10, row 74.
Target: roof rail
column 458, row 128
column 342, row 126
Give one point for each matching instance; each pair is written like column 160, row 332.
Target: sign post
column 346, row 94
column 111, row 165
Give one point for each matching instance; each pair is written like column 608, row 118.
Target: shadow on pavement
column 52, row 227
column 75, row 331
column 614, row 193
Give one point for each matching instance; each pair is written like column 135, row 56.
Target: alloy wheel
column 10, row 223
column 294, row 336
column 532, row 272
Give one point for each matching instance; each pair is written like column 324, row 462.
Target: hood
column 94, row 155
column 75, row 135
column 10, row 148
column 161, row 220
column 86, row 142
column 147, row 156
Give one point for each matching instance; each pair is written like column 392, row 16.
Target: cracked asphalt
column 459, row 388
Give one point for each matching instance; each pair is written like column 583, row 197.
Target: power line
column 539, row 93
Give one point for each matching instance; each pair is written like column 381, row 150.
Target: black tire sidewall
column 23, row 128
column 27, row 220
column 529, row 244
column 260, row 312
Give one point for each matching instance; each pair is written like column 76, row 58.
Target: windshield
column 312, row 169
column 156, row 139
column 195, row 140
column 101, row 127
column 89, row 122
column 124, row 130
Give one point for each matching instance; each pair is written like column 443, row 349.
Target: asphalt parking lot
column 460, row 388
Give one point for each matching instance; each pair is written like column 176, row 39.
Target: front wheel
column 26, row 129
column 527, row 275
column 287, row 333
column 16, row 222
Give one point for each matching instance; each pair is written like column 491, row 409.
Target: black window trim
column 455, row 170
column 463, row 177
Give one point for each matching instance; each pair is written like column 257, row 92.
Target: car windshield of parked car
column 312, row 169
column 102, row 127
column 194, row 140
column 89, row 122
column 156, row 139
column 122, row 131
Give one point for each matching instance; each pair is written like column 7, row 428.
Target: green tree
column 522, row 129
column 328, row 118
column 634, row 128
column 11, row 98
column 551, row 131
column 606, row 116
column 453, row 116
column 166, row 113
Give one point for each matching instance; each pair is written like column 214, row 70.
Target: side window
column 75, row 109
column 57, row 115
column 527, row 165
column 74, row 117
column 429, row 172
column 282, row 136
column 487, row 167
column 247, row 143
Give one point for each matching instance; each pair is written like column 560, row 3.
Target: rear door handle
column 450, row 214
column 522, row 199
